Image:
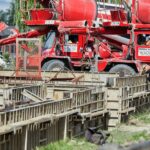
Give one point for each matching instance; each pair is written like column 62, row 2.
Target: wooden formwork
column 117, row 106
column 61, row 91
column 65, row 75
column 82, row 95
column 30, row 114
column 81, row 78
column 122, row 94
column 78, row 125
column 38, row 124
column 14, row 95
column 141, row 102
column 125, row 95
column 33, row 135
column 81, row 101
column 13, row 80
column 127, row 81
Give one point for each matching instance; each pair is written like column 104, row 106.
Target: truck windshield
column 50, row 40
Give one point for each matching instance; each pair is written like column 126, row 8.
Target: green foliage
column 8, row 15
column 3, row 16
column 22, row 13
column 6, row 56
column 18, row 17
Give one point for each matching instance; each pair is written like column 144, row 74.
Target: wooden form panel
column 33, row 135
column 83, row 100
column 126, row 94
column 127, row 81
column 16, row 92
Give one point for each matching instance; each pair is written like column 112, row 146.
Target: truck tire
column 123, row 70
column 53, row 65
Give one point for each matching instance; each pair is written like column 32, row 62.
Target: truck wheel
column 53, row 65
column 123, row 70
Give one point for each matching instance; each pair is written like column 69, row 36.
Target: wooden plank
column 32, row 96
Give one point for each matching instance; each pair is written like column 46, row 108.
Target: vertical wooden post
column 65, row 127
column 24, row 137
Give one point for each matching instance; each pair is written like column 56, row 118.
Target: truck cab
column 65, row 51
column 142, row 46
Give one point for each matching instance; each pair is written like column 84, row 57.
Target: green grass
column 76, row 144
column 143, row 117
column 122, row 137
column 118, row 137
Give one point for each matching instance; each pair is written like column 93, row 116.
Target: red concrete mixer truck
column 83, row 34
